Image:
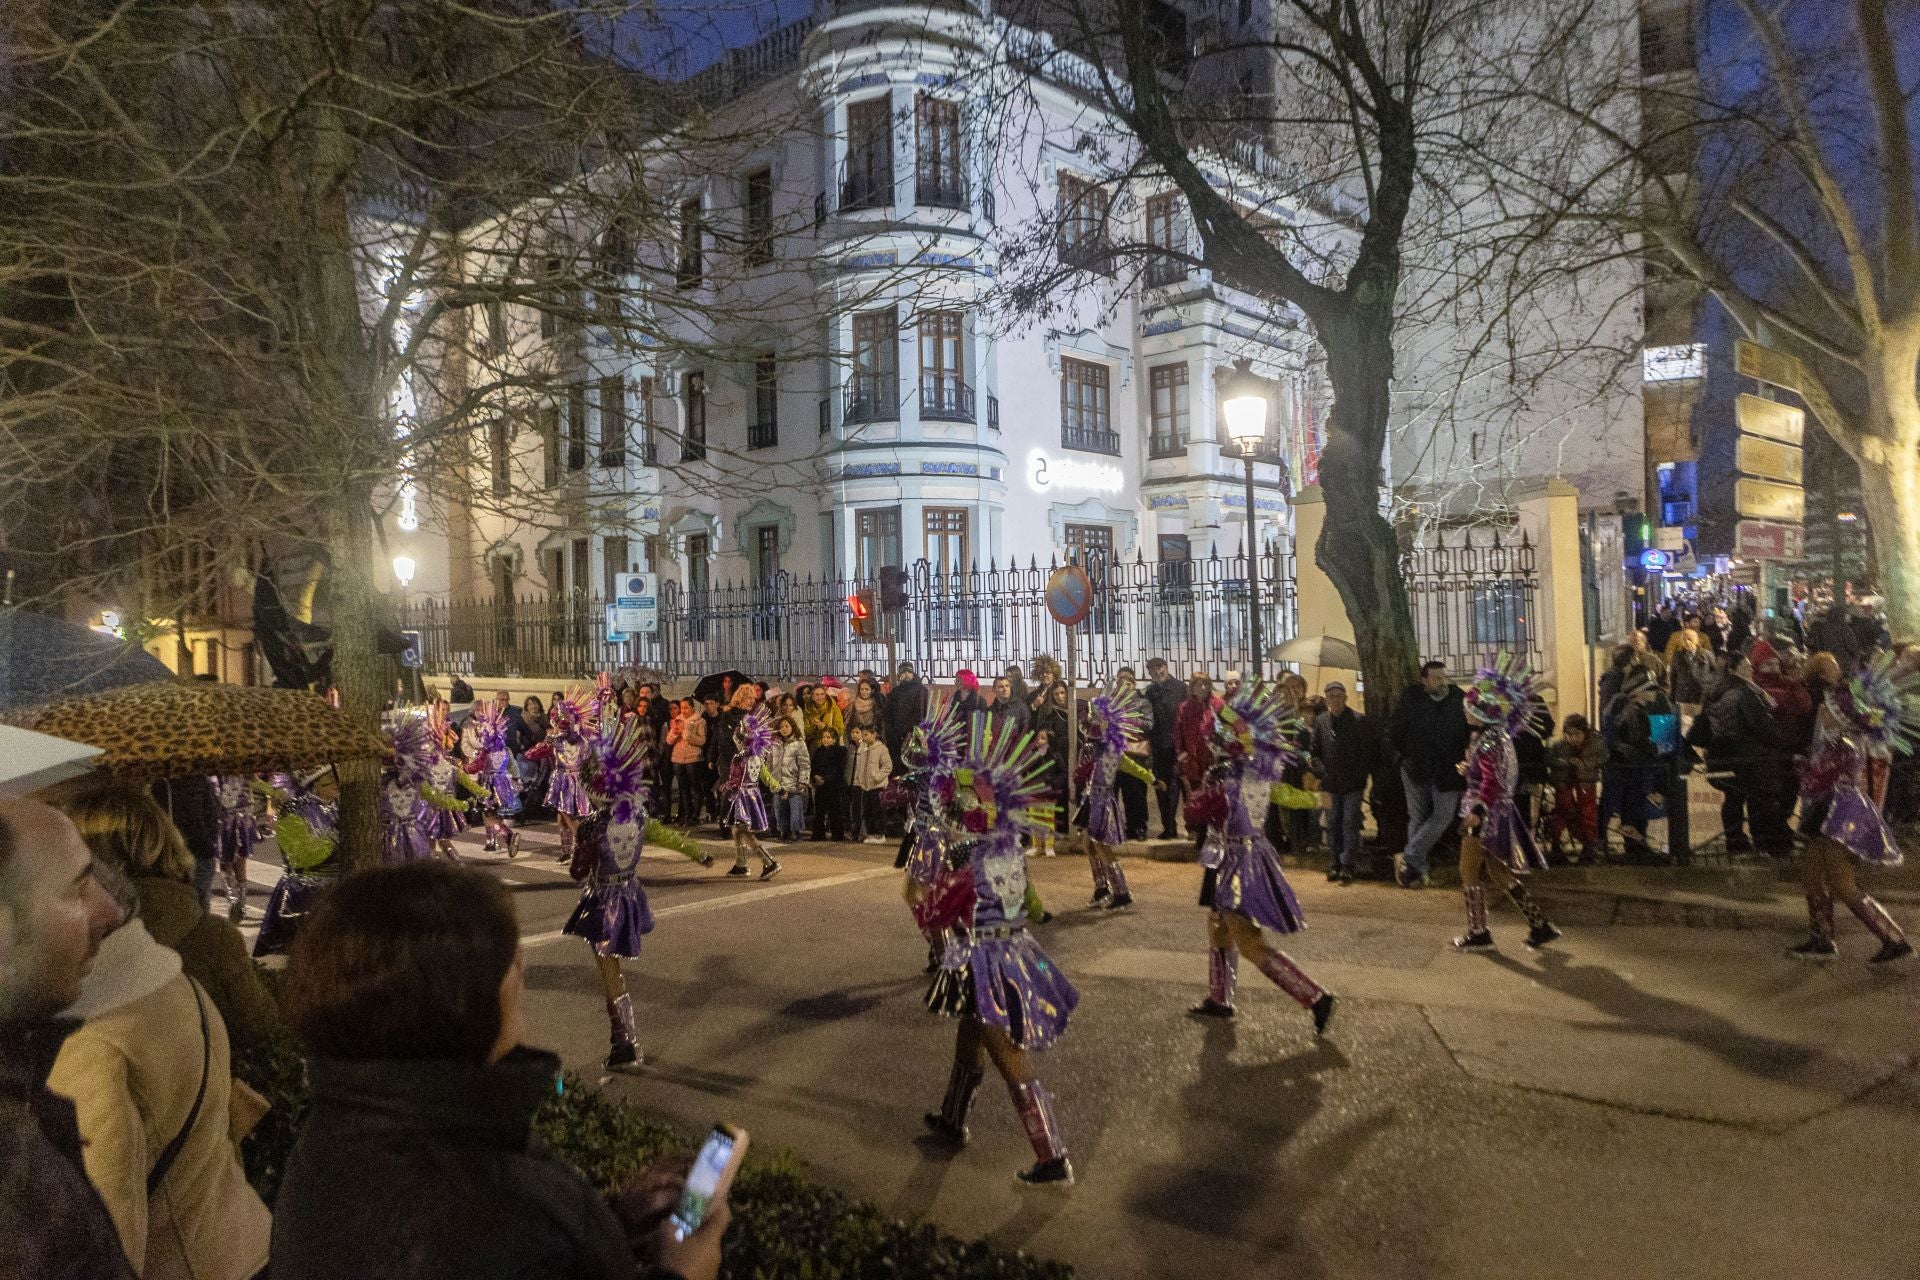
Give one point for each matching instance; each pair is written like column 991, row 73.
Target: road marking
column 739, row 899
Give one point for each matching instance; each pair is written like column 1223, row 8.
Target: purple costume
column 488, row 759
column 612, row 913
column 311, row 821
column 1243, row 875
column 235, row 832
column 443, row 823
column 565, row 792
column 747, row 807
column 1493, row 770
column 403, row 807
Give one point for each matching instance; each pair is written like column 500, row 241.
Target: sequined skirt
column 1106, row 817
column 234, row 836
column 292, row 898
column 443, row 824
column 1248, row 882
column 613, row 915
column 1848, row 817
column 404, row 841
column 566, row 794
column 1006, row 980
column 748, row 808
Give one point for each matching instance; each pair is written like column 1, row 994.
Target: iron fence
column 1191, row 612
column 1473, row 597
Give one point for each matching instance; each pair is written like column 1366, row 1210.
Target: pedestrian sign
column 636, row 604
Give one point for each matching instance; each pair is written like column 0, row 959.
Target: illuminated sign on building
column 1047, row 473
column 1674, row 364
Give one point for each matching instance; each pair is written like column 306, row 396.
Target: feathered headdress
column 1117, row 717
column 756, row 732
column 998, row 787
column 1254, row 733
column 490, row 725
column 575, row 712
column 938, row 742
column 618, row 777
column 1882, row 704
column 411, row 739
column 1504, row 693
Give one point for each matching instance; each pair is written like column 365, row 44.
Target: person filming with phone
column 417, row 1159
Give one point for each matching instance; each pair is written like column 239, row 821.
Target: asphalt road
column 1636, row 1102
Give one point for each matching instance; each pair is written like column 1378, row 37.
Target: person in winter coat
column 151, row 1079
column 1576, row 761
column 1737, row 733
column 54, row 914
column 1634, row 767
column 865, row 707
column 686, row 755
column 1428, row 733
column 1008, row 713
column 417, row 1157
column 829, row 765
column 1346, row 746
column 1689, row 665
column 1193, row 752
column 792, row 772
column 869, row 764
column 1832, row 633
column 906, row 708
column 127, row 831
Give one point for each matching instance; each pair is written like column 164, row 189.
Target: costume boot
column 624, row 1051
column 1819, row 943
column 1476, row 938
column 1035, row 1106
column 1117, row 880
column 1102, row 888
column 1893, row 940
column 1223, row 968
column 1293, row 980
column 1540, row 930
column 950, row 1121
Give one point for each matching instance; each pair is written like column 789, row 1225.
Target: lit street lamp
column 1244, row 405
column 403, row 568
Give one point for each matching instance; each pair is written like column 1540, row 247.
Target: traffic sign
column 1069, row 595
column 1758, row 416
column 1768, row 540
column 614, row 634
column 1768, row 459
column 636, row 603
column 1670, row 537
column 1766, row 500
column 1764, row 364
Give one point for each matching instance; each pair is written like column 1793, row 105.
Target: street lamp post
column 1244, row 405
column 403, row 568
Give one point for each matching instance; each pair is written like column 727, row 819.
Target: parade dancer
column 1862, row 723
column 446, row 815
column 612, row 914
column 235, row 833
column 752, row 739
column 931, row 752
column 490, row 768
column 1114, row 719
column 1495, row 842
column 566, row 745
column 306, row 831
column 1242, row 886
column 1011, row 999
column 403, row 809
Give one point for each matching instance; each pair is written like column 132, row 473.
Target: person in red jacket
column 1193, row 751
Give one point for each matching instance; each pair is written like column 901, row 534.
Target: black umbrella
column 43, row 658
column 720, row 685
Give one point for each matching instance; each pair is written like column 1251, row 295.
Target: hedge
column 785, row 1226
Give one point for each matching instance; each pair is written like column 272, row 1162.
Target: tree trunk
column 356, row 666
column 1890, row 491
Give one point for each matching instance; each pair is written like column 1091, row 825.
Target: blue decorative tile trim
column 932, row 80
column 1262, row 504
column 1167, row 502
column 861, row 470
column 1162, row 326
column 950, row 468
column 649, row 513
column 853, row 84
column 946, row 260
column 993, row 473
column 859, row 260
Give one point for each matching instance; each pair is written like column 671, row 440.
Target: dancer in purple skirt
column 1243, row 887
column 234, row 834
column 752, row 740
column 931, row 752
column 612, row 914
column 1115, row 719
column 1862, row 724
column 1495, row 839
column 490, row 773
column 1010, row 998
column 446, row 811
column 403, row 809
column 569, row 728
column 306, row 831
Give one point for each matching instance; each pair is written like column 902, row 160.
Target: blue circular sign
column 1653, row 558
column 1069, row 595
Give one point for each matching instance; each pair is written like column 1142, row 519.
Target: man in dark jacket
column 905, row 708
column 1429, row 734
column 52, row 1222
column 1834, row 634
column 1737, row 728
column 1164, row 696
column 1345, row 746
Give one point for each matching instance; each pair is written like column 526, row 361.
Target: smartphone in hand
column 709, row 1179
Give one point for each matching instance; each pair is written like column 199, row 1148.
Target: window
column 550, row 444
column 873, row 392
column 496, row 325
column 877, row 540
column 993, row 412
column 613, row 422
column 550, row 298
column 693, row 437
column 826, row 415
column 766, row 554
column 613, row 262
column 1168, row 387
column 944, row 393
column 506, row 631
column 1085, row 416
column 1175, row 568
column 1089, row 540
column 945, row 547
column 759, row 217
column 1166, row 229
column 869, row 176
column 576, row 426
column 940, row 175
column 1175, row 47
column 1666, row 41
column 498, row 452
column 1083, row 232
column 699, row 549
column 688, row 268
column 649, row 445
column 613, row 563
column 764, row 431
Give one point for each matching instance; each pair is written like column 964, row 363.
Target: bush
column 785, row 1225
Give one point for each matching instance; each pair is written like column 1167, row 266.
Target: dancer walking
column 403, row 809
column 931, row 753
column 235, row 832
column 1012, row 1001
column 566, row 745
column 1495, row 841
column 1115, row 719
column 1242, row 887
column 306, row 830
column 490, row 766
column 1862, row 723
column 446, row 815
column 752, row 740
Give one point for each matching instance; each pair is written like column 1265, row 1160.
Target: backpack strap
column 171, row 1152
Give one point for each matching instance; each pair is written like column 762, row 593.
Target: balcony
column 867, row 190
column 1090, row 440
column 1165, row 271
column 1167, row 447
column 945, row 398
column 763, row 435
column 933, row 191
column 1088, row 255
column 872, row 397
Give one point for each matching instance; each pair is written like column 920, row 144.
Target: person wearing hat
column 1495, row 842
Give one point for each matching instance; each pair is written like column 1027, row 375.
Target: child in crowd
column 1576, row 760
column 867, row 773
column 830, row 766
column 792, row 777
